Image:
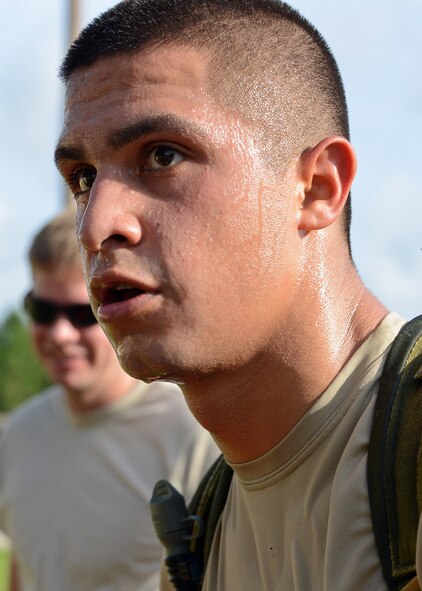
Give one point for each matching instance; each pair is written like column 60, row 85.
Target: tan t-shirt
column 75, row 490
column 298, row 518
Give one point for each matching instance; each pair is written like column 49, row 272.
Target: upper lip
column 105, row 287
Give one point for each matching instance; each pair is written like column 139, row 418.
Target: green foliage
column 4, row 567
column 21, row 374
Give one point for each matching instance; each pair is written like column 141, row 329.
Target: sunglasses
column 46, row 312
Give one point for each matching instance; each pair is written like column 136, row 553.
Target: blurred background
column 377, row 46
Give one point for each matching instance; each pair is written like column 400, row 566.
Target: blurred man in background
column 79, row 461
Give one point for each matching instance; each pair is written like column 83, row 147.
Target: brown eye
column 163, row 157
column 83, row 179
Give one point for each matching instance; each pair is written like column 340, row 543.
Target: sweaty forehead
column 165, row 88
column 60, row 282
column 169, row 65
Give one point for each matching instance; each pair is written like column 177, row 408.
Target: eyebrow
column 63, row 153
column 156, row 123
column 126, row 135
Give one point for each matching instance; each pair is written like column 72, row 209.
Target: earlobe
column 326, row 172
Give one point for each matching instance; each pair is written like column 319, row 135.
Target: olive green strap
column 395, row 456
column 208, row 504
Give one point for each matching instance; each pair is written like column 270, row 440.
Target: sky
column 377, row 46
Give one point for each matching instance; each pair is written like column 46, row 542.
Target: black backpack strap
column 208, row 504
column 395, row 457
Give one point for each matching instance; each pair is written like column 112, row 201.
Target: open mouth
column 121, row 294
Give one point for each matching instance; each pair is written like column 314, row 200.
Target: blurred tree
column 21, row 374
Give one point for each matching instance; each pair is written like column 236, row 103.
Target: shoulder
column 30, row 414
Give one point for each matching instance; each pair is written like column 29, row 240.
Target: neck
column 250, row 409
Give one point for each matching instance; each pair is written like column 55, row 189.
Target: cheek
column 233, row 229
column 97, row 345
column 39, row 336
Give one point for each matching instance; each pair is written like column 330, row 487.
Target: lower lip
column 138, row 306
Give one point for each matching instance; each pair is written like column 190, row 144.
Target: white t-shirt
column 298, row 518
column 75, row 491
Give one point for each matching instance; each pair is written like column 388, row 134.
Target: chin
column 72, row 382
column 148, row 363
column 143, row 370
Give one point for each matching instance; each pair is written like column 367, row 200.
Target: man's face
column 188, row 242
column 79, row 358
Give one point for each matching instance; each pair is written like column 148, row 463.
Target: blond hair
column 55, row 245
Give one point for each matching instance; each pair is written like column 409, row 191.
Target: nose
column 62, row 331
column 108, row 217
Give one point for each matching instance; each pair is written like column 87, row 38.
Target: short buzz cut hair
column 55, row 247
column 267, row 62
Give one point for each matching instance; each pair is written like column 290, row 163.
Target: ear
column 326, row 172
